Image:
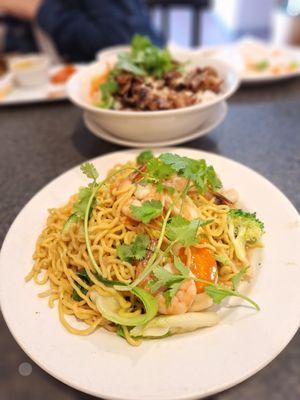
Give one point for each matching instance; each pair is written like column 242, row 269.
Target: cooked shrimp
column 230, row 194
column 146, row 192
column 124, row 185
column 185, row 207
column 126, row 209
column 176, row 182
column 142, row 193
column 181, row 302
column 189, row 210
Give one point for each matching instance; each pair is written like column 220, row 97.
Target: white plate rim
column 217, row 116
column 186, row 397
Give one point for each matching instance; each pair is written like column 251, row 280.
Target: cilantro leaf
column 157, row 170
column 219, row 293
column 174, row 281
column 177, row 162
column 144, row 157
column 140, row 42
column 124, row 252
column 154, row 285
column 212, row 178
column 126, row 63
column 89, row 170
column 80, row 205
column 182, row 230
column 166, row 277
column 216, row 293
column 84, row 194
column 147, row 211
column 171, row 292
column 237, row 277
column 151, row 59
column 183, row 269
column 137, row 249
column 140, row 246
column 73, row 219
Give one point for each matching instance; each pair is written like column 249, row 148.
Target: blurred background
column 76, row 29
column 205, row 22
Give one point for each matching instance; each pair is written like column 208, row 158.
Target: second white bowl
column 151, row 125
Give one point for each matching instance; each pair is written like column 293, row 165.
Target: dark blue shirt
column 79, row 28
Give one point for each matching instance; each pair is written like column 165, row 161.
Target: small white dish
column 30, row 70
column 47, row 92
column 160, row 125
column 180, row 367
column 215, row 118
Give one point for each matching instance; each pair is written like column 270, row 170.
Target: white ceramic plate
column 188, row 366
column 215, row 118
column 248, row 77
column 37, row 94
column 232, row 54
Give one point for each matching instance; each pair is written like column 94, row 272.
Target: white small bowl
column 151, row 125
column 30, row 70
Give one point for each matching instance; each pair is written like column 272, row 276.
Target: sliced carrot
column 63, row 74
column 203, row 265
column 96, row 82
column 276, row 70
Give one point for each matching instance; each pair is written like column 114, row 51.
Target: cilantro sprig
column 201, row 176
column 144, row 157
column 84, row 194
column 144, row 58
column 172, row 282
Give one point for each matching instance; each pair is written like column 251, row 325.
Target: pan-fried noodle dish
column 147, row 251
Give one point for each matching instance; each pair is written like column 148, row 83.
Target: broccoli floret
column 243, row 228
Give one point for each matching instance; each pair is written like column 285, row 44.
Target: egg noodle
column 62, row 261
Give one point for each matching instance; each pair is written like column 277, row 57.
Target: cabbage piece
column 170, row 324
column 109, row 307
column 202, row 302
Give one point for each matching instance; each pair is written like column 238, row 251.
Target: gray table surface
column 39, row 142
